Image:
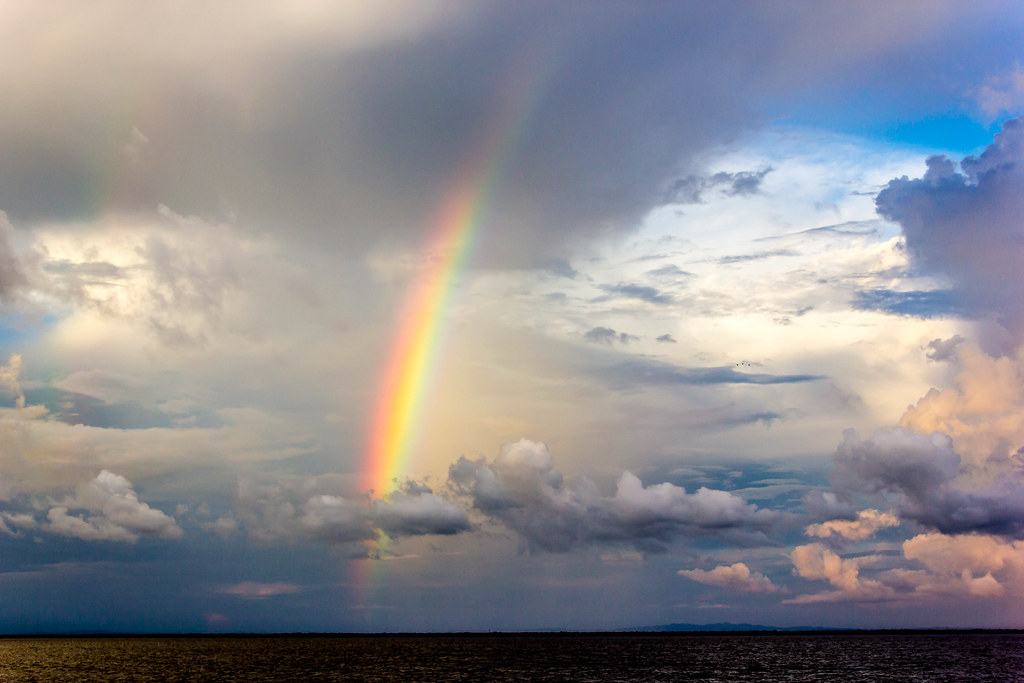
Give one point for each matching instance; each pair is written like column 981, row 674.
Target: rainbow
column 415, row 347
column 416, row 344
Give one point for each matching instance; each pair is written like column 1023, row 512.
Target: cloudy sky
column 717, row 315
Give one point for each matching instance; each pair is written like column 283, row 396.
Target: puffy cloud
column 918, row 472
column 983, row 413
column 165, row 273
column 522, row 490
column 953, row 465
column 418, row 513
column 735, row 576
column 113, row 512
column 294, row 511
column 826, row 505
column 967, row 563
column 297, row 510
column 915, row 465
column 817, row 563
column 966, row 225
column 10, row 381
column 12, row 522
column 865, row 526
column 326, row 518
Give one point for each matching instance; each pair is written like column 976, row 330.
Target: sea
column 818, row 656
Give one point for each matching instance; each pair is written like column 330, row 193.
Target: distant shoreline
column 546, row 634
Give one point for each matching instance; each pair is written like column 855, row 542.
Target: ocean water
column 554, row 657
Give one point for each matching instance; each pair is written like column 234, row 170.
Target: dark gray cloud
column 916, row 473
column 735, row 418
column 756, row 256
column 670, row 271
column 342, row 144
column 967, row 225
column 606, row 335
column 646, row 371
column 561, row 268
column 75, row 408
column 418, row 513
column 851, row 228
column 628, row 290
column 936, row 303
column 666, row 339
column 825, row 505
column 687, row 190
column 13, row 273
column 298, row 510
column 944, row 349
column 348, row 140
column 692, row 188
column 522, row 490
column 745, row 182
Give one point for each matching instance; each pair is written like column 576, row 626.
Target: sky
column 417, row 315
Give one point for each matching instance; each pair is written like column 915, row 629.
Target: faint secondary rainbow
column 416, row 344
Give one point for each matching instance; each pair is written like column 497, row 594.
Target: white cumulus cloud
column 111, row 511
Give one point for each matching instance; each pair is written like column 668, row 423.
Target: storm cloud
column 370, row 116
column 919, row 473
column 967, row 225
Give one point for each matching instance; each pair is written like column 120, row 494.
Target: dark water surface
column 555, row 657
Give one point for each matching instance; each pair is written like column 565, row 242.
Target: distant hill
column 724, row 626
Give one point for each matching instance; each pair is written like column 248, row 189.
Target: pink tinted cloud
column 252, row 590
